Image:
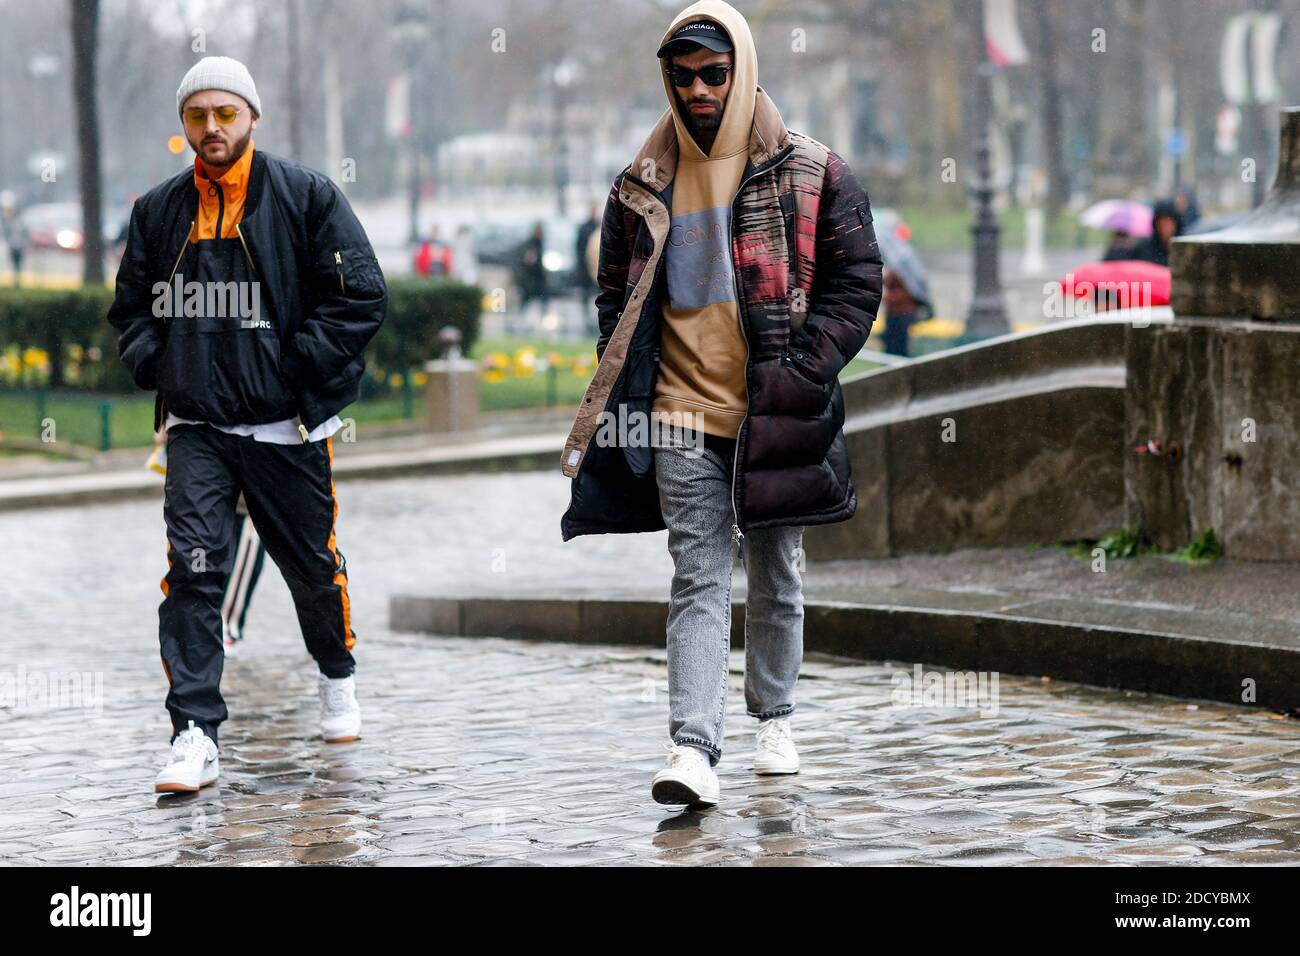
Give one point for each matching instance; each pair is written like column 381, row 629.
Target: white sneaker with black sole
column 193, row 763
column 340, row 714
column 774, row 750
column 687, row 779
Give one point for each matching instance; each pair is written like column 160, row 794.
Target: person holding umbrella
column 906, row 294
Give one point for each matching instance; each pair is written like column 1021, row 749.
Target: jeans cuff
column 784, row 711
column 699, row 743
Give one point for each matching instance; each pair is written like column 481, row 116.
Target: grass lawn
column 940, row 228
column 77, row 416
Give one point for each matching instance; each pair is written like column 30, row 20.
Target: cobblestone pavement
column 500, row 751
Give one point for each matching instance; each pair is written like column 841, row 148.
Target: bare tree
column 83, row 20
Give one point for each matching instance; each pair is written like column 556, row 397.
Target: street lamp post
column 563, row 76
column 409, row 31
column 988, row 314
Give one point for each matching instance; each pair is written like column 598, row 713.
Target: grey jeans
column 695, row 497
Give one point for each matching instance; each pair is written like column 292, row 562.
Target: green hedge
column 71, row 328
column 417, row 311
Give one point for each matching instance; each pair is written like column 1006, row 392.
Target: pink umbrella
column 1119, row 215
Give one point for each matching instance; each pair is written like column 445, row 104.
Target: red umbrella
column 1122, row 284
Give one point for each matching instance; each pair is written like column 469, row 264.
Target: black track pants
column 290, row 496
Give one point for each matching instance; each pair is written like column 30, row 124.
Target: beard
column 698, row 124
column 236, row 150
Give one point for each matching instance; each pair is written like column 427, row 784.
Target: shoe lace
column 189, row 745
column 680, row 756
column 773, row 733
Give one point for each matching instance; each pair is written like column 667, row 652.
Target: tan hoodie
column 703, row 349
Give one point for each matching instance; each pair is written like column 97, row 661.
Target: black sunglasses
column 713, row 75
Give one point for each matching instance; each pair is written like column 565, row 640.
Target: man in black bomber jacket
column 245, row 297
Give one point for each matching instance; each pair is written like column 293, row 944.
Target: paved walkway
column 492, row 750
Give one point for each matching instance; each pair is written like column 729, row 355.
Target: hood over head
column 738, row 112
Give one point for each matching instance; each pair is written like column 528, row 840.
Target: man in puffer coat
column 739, row 273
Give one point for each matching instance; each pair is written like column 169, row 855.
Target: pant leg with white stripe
column 250, row 555
column 199, row 512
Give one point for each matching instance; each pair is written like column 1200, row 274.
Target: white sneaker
column 193, row 764
column 687, row 779
column 340, row 714
column 774, row 747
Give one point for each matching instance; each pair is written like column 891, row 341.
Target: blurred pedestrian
column 464, row 255
column 1166, row 223
column 902, row 311
column 530, row 270
column 583, row 273
column 14, row 232
column 433, row 257
column 906, row 298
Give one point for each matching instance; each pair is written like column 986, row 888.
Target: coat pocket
column 782, row 389
column 217, row 370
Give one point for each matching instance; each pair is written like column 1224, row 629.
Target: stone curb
column 1148, row 661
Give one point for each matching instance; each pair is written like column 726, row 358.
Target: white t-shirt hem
column 283, row 432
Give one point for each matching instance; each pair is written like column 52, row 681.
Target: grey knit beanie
column 219, row 73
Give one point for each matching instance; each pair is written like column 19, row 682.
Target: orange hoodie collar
column 234, row 183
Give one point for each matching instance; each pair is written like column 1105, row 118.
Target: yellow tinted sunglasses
column 197, row 115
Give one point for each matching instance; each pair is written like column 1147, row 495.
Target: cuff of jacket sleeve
column 146, row 375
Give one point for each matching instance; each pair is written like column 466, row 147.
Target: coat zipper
column 180, row 255
column 737, row 535
column 338, row 260
column 243, row 242
column 221, row 206
column 177, row 263
column 160, row 409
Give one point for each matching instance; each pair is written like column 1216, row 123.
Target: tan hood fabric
column 738, row 117
column 701, row 380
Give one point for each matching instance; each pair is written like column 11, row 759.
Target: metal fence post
column 105, row 426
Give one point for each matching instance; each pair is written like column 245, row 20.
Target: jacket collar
column 658, row 155
column 234, row 181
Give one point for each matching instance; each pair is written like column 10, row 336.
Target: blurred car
column 57, row 225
